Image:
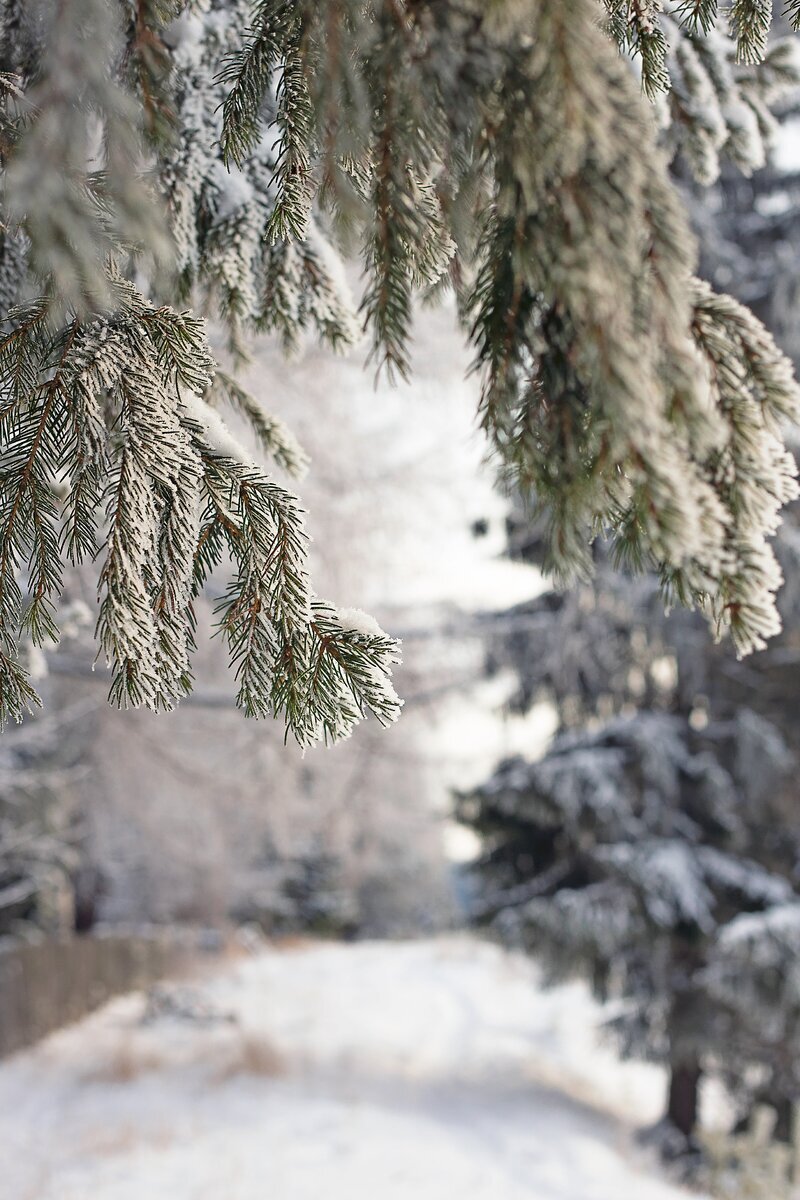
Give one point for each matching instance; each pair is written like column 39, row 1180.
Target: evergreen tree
column 214, row 152
column 669, row 748
column 628, row 856
column 654, row 848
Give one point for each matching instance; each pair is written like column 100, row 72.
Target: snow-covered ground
column 382, row 1071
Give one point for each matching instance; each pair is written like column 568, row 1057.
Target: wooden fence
column 49, row 983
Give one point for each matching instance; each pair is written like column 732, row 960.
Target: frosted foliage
column 712, row 79
column 753, row 470
column 221, row 214
column 179, row 492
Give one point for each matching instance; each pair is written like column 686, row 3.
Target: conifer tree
column 219, row 154
column 653, row 849
column 629, row 856
column 635, row 853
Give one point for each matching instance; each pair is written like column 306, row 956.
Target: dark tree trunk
column 784, row 1121
column 684, row 1023
column 682, row 1103
column 88, row 888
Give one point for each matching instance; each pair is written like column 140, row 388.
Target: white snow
column 782, row 921
column 234, row 190
column 378, row 1071
column 217, row 433
column 355, row 620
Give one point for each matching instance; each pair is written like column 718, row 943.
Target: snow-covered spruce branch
column 335, row 671
column 743, row 474
column 718, row 106
column 111, row 413
column 294, row 655
column 273, row 28
column 236, row 191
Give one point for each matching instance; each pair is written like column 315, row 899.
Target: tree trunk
column 682, row 1103
column 784, row 1120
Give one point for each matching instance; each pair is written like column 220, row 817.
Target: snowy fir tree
column 654, row 849
column 224, row 155
column 628, row 856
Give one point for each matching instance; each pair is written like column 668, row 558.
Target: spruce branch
column 388, row 297
column 331, row 677
column 294, row 119
column 17, row 698
column 698, row 15
column 750, row 22
column 293, row 657
column 108, row 412
column 635, row 26
column 249, row 71
column 754, row 389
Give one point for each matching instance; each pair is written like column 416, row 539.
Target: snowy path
column 416, row 1071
